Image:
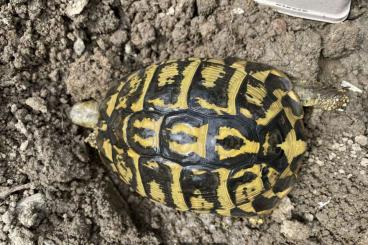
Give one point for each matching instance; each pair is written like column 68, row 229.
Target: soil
column 54, row 189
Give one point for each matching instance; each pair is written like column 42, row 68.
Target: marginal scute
column 207, row 135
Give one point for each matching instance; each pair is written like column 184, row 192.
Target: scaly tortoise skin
column 206, row 135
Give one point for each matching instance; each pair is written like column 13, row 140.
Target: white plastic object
column 332, row 11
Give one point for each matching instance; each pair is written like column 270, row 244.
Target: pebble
column 361, row 140
column 309, row 217
column 119, row 37
column 75, row 7
column 31, row 210
column 37, row 104
column 128, row 48
column 295, row 230
column 320, row 163
column 279, row 25
column 23, row 146
column 364, row 162
column 238, row 11
column 171, row 11
column 331, row 156
column 79, row 46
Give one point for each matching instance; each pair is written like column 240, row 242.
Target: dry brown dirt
column 54, row 53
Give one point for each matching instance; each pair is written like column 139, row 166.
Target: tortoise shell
column 219, row 136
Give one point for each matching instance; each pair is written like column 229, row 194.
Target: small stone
column 31, row 210
column 320, row 163
column 238, row 11
column 350, row 142
column 75, row 7
column 279, row 26
column 101, row 43
column 295, row 230
column 119, row 37
column 23, row 146
column 309, row 217
column 37, row 104
column 364, row 162
column 79, row 46
column 341, row 171
column 128, row 49
column 54, row 76
column 361, row 140
column 331, row 156
column 171, row 11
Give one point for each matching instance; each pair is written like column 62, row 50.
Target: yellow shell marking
column 232, row 90
column 268, row 194
column 106, row 146
column 138, row 106
column 262, row 75
column 216, row 61
column 246, row 113
column 176, row 191
column 111, row 104
column 103, row 127
column 249, row 190
column 200, row 204
column 274, row 109
column 181, row 102
column 292, row 147
column 283, row 193
column 240, row 64
column 247, row 147
column 167, row 74
column 266, row 144
column 198, row 147
column 151, row 164
column 272, row 174
column 125, row 173
column 148, row 123
column 247, row 207
column 210, row 75
column 124, row 128
column 157, row 102
column 156, row 192
column 135, row 157
column 255, row 95
column 118, row 150
column 223, row 193
column 133, row 82
column 291, row 117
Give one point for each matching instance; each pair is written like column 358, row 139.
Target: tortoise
column 206, row 135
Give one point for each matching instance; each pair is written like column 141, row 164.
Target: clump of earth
column 55, row 190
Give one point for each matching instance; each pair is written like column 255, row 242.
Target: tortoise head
column 85, row 114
